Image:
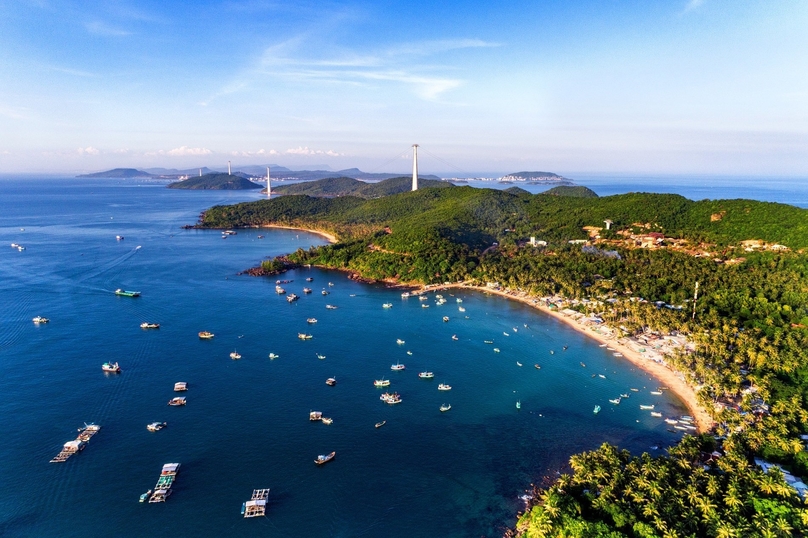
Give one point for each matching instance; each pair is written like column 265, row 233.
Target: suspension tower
column 415, row 167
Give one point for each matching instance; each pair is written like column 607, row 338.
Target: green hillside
column 346, row 186
column 575, row 191
column 215, row 181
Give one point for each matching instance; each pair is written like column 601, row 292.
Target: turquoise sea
column 424, row 474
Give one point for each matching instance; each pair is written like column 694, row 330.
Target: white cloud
column 184, row 151
column 693, row 4
column 89, row 150
column 103, row 29
column 300, row 150
column 259, row 153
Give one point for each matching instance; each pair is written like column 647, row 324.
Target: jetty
column 257, row 505
column 163, row 487
column 78, row 444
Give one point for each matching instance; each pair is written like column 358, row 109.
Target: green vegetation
column 346, row 186
column 750, row 332
column 215, row 181
column 575, row 191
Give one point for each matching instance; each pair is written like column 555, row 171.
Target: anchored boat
column 111, row 367
column 125, row 293
column 324, row 459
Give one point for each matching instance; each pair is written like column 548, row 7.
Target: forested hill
column 477, row 217
column 748, row 331
column 123, row 173
column 346, row 186
column 215, row 181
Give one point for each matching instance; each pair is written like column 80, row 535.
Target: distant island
column 540, row 177
column 120, row 173
column 346, row 186
column 215, row 181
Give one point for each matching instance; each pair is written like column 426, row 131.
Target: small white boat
column 399, row 341
column 381, row 383
column 409, row 353
column 327, row 421
column 325, row 292
column 321, row 357
column 671, row 421
column 380, row 424
column 646, row 407
column 331, row 381
column 311, row 320
column 324, row 459
column 445, row 318
column 273, row 356
column 461, row 309
column 330, row 283
column 304, row 336
column 515, row 330
column 602, row 345
column 156, row 426
column 235, row 355
column 179, row 400
column 397, row 367
column 424, row 306
column 518, row 404
column 40, row 319
column 617, row 354
column 454, row 337
column 306, row 290
column 601, row 376
column 459, row 300
column 656, row 414
column 387, row 305
column 444, row 386
column 180, row 386
column 496, row 350
column 656, row 393
column 405, row 295
column 596, row 410
column 315, row 415
column 505, row 334
column 426, row 375
column 423, row 298
column 330, row 307
column 148, row 325
column 445, row 407
column 616, row 401
column 111, row 367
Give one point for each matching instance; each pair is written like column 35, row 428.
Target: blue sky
column 672, row 86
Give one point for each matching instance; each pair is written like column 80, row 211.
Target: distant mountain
column 173, row 172
column 575, row 192
column 347, row 186
column 260, row 170
column 215, row 181
column 117, row 173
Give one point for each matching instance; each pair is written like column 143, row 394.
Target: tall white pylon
column 228, row 168
column 269, row 185
column 415, row 167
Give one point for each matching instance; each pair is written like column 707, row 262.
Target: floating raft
column 163, row 487
column 78, row 444
column 257, row 505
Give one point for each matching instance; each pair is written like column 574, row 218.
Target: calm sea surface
column 425, row 473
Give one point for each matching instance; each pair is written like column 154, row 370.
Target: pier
column 257, row 505
column 78, row 444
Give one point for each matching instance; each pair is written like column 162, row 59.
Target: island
column 215, row 181
column 119, row 173
column 346, row 186
column 709, row 294
column 536, row 177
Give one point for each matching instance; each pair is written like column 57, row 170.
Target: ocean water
column 424, row 474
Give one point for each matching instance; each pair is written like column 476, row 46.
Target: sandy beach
column 664, row 375
column 331, row 237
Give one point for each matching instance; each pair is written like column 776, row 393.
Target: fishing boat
column 397, row 367
column 331, row 381
column 235, row 355
column 327, row 421
column 552, row 352
column 454, row 337
column 315, row 416
column 309, row 279
column 537, row 367
column 125, row 293
column 390, row 398
column 179, row 400
column 306, row 290
column 330, row 307
column 405, row 295
column 257, row 505
column 424, row 306
column 423, row 298
column 444, row 386
column 40, row 319
column 20, row 248
column 445, row 407
column 518, row 363
column 387, row 305
column 381, row 383
column 400, row 342
column 634, row 390
column 273, row 355
column 330, row 284
column 409, row 352
column 324, row 459
column 601, row 376
column 616, row 401
column 324, row 292
column 111, row 367
column 445, row 318
column 518, row 404
column 426, row 375
column 656, row 393
column 646, row 407
column 596, row 410
column 496, row 350
column 624, row 395
column 304, row 336
column 292, row 297
column 602, row 345
column 147, row 325
column 321, row 357
column 671, row 421
column 279, row 290
column 311, row 320
column 145, row 496
column 461, row 309
column 505, row 334
column 656, row 414
column 180, row 386
column 205, row 335
column 488, row 341
column 156, row 426
column 380, row 424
